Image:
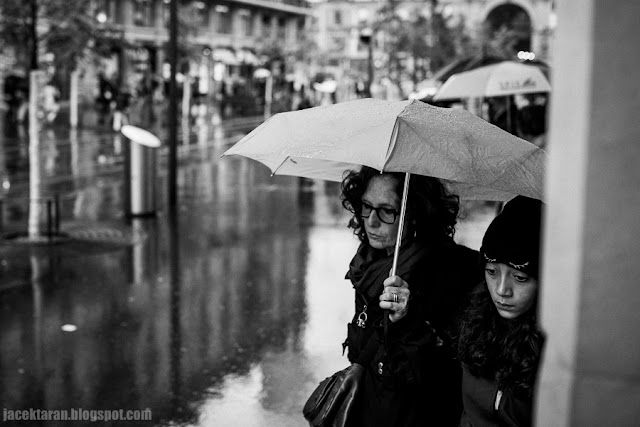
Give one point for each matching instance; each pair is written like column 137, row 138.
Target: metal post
column 126, row 185
column 369, row 66
column 268, row 96
column 56, row 211
column 73, row 100
column 173, row 105
column 509, row 118
column 186, row 108
column 34, row 34
column 366, row 37
column 49, row 227
column 35, row 85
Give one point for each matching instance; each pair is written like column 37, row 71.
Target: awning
column 247, row 57
column 225, row 55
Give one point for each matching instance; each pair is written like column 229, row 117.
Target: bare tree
column 420, row 43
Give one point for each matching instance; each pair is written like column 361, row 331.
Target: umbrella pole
column 403, row 209
column 396, row 252
column 509, row 114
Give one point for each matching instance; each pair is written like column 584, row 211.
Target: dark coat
column 418, row 383
column 486, row 404
column 500, row 359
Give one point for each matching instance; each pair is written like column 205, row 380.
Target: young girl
column 499, row 341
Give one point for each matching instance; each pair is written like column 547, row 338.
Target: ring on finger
column 395, row 297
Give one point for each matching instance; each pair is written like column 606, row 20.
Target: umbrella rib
column 441, row 150
column 392, row 142
column 380, row 124
column 348, row 136
column 280, row 165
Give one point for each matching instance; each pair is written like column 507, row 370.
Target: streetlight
column 101, row 17
column 366, row 37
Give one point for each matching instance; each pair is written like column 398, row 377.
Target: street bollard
column 141, row 177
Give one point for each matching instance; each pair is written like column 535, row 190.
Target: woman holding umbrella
column 500, row 343
column 410, row 374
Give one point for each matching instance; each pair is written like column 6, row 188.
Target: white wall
column 591, row 272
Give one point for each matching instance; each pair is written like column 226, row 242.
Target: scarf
column 370, row 267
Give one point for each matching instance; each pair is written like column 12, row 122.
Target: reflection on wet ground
column 230, row 319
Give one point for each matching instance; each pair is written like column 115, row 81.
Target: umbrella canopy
column 472, row 62
column 502, row 79
column 475, row 158
column 467, row 63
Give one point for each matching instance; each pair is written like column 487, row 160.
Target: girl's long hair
column 431, row 210
column 506, row 350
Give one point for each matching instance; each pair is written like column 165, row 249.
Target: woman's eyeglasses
column 386, row 215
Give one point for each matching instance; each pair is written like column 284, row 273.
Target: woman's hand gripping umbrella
column 380, row 144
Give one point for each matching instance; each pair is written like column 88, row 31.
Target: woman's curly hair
column 491, row 347
column 429, row 204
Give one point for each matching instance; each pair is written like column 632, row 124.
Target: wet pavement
column 229, row 318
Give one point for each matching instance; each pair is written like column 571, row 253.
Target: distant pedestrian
column 22, row 102
column 122, row 103
column 503, row 113
column 304, row 104
column 50, row 102
column 15, row 93
column 500, row 342
column 105, row 98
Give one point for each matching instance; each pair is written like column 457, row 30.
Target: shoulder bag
column 332, row 400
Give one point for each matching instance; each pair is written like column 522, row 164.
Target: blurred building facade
column 300, row 41
column 340, row 25
column 223, row 42
column 233, row 37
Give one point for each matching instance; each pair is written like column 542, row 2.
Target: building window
column 337, row 17
column 203, row 13
column 166, row 12
column 282, row 28
column 247, row 22
column 338, row 43
column 143, row 13
column 105, row 11
column 266, row 26
column 223, row 19
column 363, row 16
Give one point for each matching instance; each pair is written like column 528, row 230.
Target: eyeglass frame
column 376, row 210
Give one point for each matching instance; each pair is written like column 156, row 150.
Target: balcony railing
column 298, row 3
column 295, row 3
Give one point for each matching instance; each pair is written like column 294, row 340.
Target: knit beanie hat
column 513, row 238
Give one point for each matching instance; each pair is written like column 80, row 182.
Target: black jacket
column 488, row 404
column 418, row 382
column 500, row 359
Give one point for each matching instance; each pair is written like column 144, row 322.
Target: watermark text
column 76, row 414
